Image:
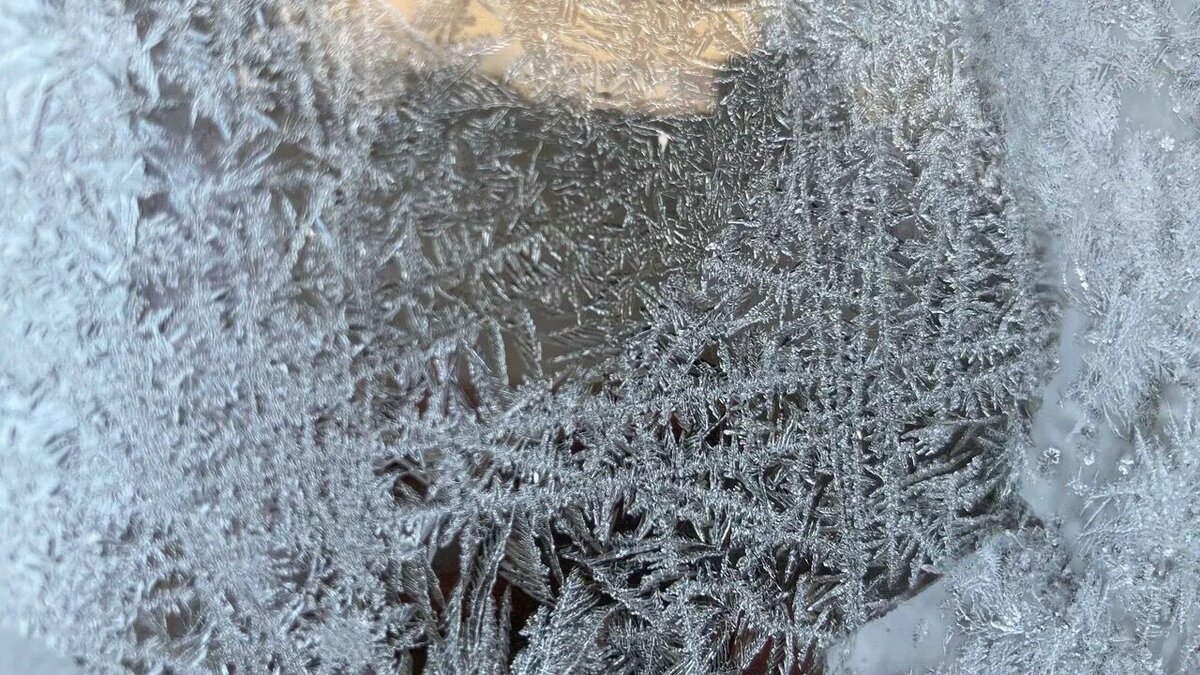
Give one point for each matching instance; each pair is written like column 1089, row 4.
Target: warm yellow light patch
column 649, row 55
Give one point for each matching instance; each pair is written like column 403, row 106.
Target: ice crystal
column 594, row 337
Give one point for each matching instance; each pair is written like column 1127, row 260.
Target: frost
column 1094, row 591
column 534, row 337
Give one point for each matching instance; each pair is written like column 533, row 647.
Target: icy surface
column 574, row 337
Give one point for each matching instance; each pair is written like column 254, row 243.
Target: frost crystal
column 526, row 336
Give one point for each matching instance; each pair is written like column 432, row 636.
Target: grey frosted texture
column 592, row 336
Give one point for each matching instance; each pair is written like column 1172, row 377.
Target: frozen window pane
column 595, row 336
